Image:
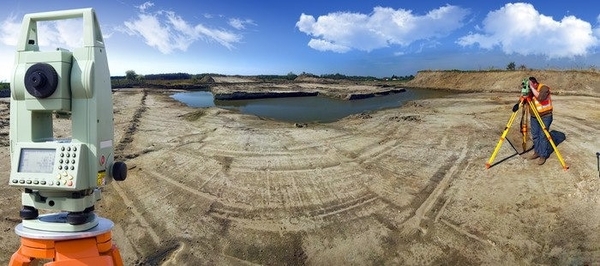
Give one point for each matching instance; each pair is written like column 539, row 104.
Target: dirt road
column 401, row 186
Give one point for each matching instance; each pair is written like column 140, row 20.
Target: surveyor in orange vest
column 540, row 95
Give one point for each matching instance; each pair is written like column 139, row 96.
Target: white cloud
column 69, row 32
column 145, row 6
column 323, row 45
column 240, row 24
column 6, row 66
column 344, row 31
column 519, row 28
column 51, row 35
column 167, row 31
column 155, row 35
column 10, row 30
column 66, row 33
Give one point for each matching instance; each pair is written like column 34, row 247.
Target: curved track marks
column 233, row 183
column 307, row 184
column 434, row 192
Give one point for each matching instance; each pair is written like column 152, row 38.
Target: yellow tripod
column 522, row 102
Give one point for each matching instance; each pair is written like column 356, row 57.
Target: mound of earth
column 568, row 82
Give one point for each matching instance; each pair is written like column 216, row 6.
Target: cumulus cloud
column 344, row 31
column 167, row 31
column 520, row 29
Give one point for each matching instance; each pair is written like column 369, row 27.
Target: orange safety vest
column 543, row 106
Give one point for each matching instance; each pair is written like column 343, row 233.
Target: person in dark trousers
column 540, row 95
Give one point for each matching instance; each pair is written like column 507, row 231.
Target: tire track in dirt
column 573, row 128
column 300, row 219
column 433, row 192
column 477, row 236
column 371, row 150
column 135, row 211
column 466, row 233
column 177, row 183
column 333, row 206
column 358, row 201
column 286, row 195
column 120, row 148
column 131, row 130
column 374, row 152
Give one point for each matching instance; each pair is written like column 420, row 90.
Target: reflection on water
column 307, row 109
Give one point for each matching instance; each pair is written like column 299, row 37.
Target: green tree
column 511, row 66
column 130, row 75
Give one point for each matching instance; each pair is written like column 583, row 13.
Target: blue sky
column 377, row 38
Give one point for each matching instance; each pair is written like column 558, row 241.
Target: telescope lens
column 41, row 80
column 37, row 79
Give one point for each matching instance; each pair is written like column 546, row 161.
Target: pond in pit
column 307, row 109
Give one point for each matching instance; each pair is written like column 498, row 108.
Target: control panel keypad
column 66, row 165
column 54, row 165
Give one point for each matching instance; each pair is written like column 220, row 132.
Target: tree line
column 131, row 75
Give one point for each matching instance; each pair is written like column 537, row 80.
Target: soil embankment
column 572, row 82
column 340, row 90
column 402, row 186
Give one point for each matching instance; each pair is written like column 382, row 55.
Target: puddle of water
column 307, row 109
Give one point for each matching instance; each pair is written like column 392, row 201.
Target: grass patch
column 193, row 116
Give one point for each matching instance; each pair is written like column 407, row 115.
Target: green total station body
column 525, row 87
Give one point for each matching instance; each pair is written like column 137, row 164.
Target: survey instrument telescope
column 61, row 174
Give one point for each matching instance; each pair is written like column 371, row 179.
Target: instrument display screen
column 36, row 160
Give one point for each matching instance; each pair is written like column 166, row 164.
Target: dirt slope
column 403, row 186
column 569, row 82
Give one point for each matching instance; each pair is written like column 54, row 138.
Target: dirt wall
column 568, row 82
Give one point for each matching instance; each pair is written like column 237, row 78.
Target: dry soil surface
column 403, row 186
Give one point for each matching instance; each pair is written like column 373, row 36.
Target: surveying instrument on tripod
column 527, row 105
column 62, row 175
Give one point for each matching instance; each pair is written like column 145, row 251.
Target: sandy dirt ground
column 403, row 186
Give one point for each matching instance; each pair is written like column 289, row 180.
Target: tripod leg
column 524, row 123
column 539, row 119
column 502, row 137
column 18, row 259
